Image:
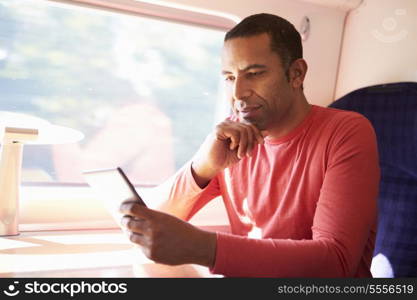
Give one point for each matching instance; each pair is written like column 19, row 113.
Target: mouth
column 249, row 111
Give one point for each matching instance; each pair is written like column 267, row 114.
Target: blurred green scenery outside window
column 143, row 91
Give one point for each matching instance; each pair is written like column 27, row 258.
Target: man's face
column 255, row 81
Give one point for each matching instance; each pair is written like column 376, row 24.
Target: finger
column 136, row 210
column 234, row 137
column 138, row 239
column 243, row 143
column 135, row 225
column 251, row 140
column 130, row 200
column 125, row 221
column 257, row 134
column 264, row 133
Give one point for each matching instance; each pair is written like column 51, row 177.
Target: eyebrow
column 252, row 66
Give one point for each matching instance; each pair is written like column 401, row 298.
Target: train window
column 142, row 90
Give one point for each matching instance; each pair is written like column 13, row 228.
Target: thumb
column 264, row 133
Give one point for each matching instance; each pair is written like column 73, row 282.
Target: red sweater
column 311, row 195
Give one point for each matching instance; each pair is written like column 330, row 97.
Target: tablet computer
column 113, row 187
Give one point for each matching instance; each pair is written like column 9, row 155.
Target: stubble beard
column 261, row 124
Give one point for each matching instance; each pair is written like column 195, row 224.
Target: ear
column 297, row 73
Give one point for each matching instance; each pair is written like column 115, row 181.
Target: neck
column 295, row 114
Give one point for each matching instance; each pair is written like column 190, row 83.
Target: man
column 305, row 176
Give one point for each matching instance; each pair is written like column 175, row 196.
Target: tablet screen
column 112, row 187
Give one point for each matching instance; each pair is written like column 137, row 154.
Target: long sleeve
column 344, row 216
column 186, row 197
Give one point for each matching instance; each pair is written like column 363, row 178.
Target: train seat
column 392, row 110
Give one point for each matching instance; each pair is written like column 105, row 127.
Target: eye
column 254, row 74
column 229, row 78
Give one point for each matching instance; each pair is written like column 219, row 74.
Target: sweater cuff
column 222, row 254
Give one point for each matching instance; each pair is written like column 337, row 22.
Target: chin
column 258, row 124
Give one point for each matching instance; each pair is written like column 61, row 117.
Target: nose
column 241, row 89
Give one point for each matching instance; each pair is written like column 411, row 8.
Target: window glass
column 143, row 91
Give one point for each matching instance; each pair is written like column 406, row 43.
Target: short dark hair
column 285, row 39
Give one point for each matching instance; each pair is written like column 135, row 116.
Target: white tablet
column 112, row 187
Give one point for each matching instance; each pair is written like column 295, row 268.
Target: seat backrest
column 392, row 110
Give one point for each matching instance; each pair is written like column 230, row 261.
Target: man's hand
column 166, row 239
column 230, row 142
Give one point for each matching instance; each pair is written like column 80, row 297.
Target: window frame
column 161, row 10
column 215, row 209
